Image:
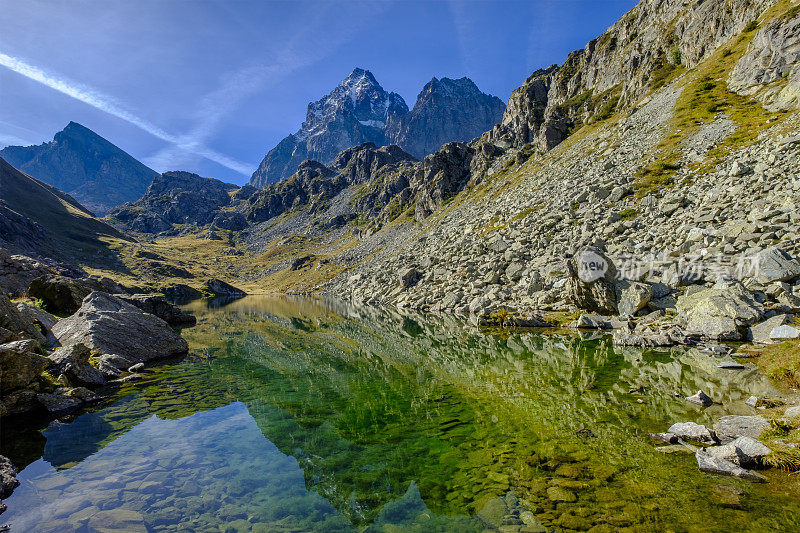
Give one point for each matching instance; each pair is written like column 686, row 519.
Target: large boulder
column 716, row 465
column 774, row 264
column 762, row 332
column 155, row 304
column 722, row 312
column 17, row 272
column 65, row 399
column 109, row 325
column 591, row 281
column 40, row 319
column 20, row 364
column 632, row 296
column 692, row 431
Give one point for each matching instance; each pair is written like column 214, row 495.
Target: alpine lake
column 293, row 414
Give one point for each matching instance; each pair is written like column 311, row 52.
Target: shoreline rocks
column 108, row 325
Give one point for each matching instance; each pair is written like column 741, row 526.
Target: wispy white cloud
column 461, row 22
column 108, row 105
column 304, row 49
column 6, row 139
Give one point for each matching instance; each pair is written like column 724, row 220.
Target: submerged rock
column 716, row 465
column 701, row 398
column 108, row 325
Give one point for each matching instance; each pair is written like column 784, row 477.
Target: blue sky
column 210, row 87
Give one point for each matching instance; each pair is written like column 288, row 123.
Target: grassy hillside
column 70, row 230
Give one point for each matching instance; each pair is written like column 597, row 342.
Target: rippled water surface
column 294, row 415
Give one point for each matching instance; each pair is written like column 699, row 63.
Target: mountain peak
column 358, row 110
column 86, row 166
column 359, row 75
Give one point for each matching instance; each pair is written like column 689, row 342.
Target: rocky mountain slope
column 663, row 143
column 89, row 168
column 38, row 219
column 359, row 111
column 176, row 198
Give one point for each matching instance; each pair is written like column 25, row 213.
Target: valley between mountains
column 648, row 189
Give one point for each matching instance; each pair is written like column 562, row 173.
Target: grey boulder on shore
column 109, row 325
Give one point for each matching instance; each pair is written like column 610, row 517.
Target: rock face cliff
column 84, row 165
column 445, row 111
column 174, row 198
column 647, row 47
column 360, row 111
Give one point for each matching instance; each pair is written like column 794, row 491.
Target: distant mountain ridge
column 86, row 166
column 360, row 111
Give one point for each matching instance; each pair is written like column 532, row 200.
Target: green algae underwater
column 301, row 415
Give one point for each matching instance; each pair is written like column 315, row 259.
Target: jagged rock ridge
column 175, row 197
column 86, row 166
column 359, row 110
column 446, row 111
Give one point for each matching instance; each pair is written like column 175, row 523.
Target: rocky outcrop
column 181, row 293
column 43, row 222
column 379, row 175
column 615, row 70
column 176, row 198
column 17, row 272
column 446, row 111
column 359, row 111
column 72, row 362
column 63, row 296
column 21, row 362
column 17, row 323
column 108, row 325
column 772, row 59
column 84, row 165
column 440, row 177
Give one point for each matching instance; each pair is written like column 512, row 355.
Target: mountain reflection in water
column 293, row 414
